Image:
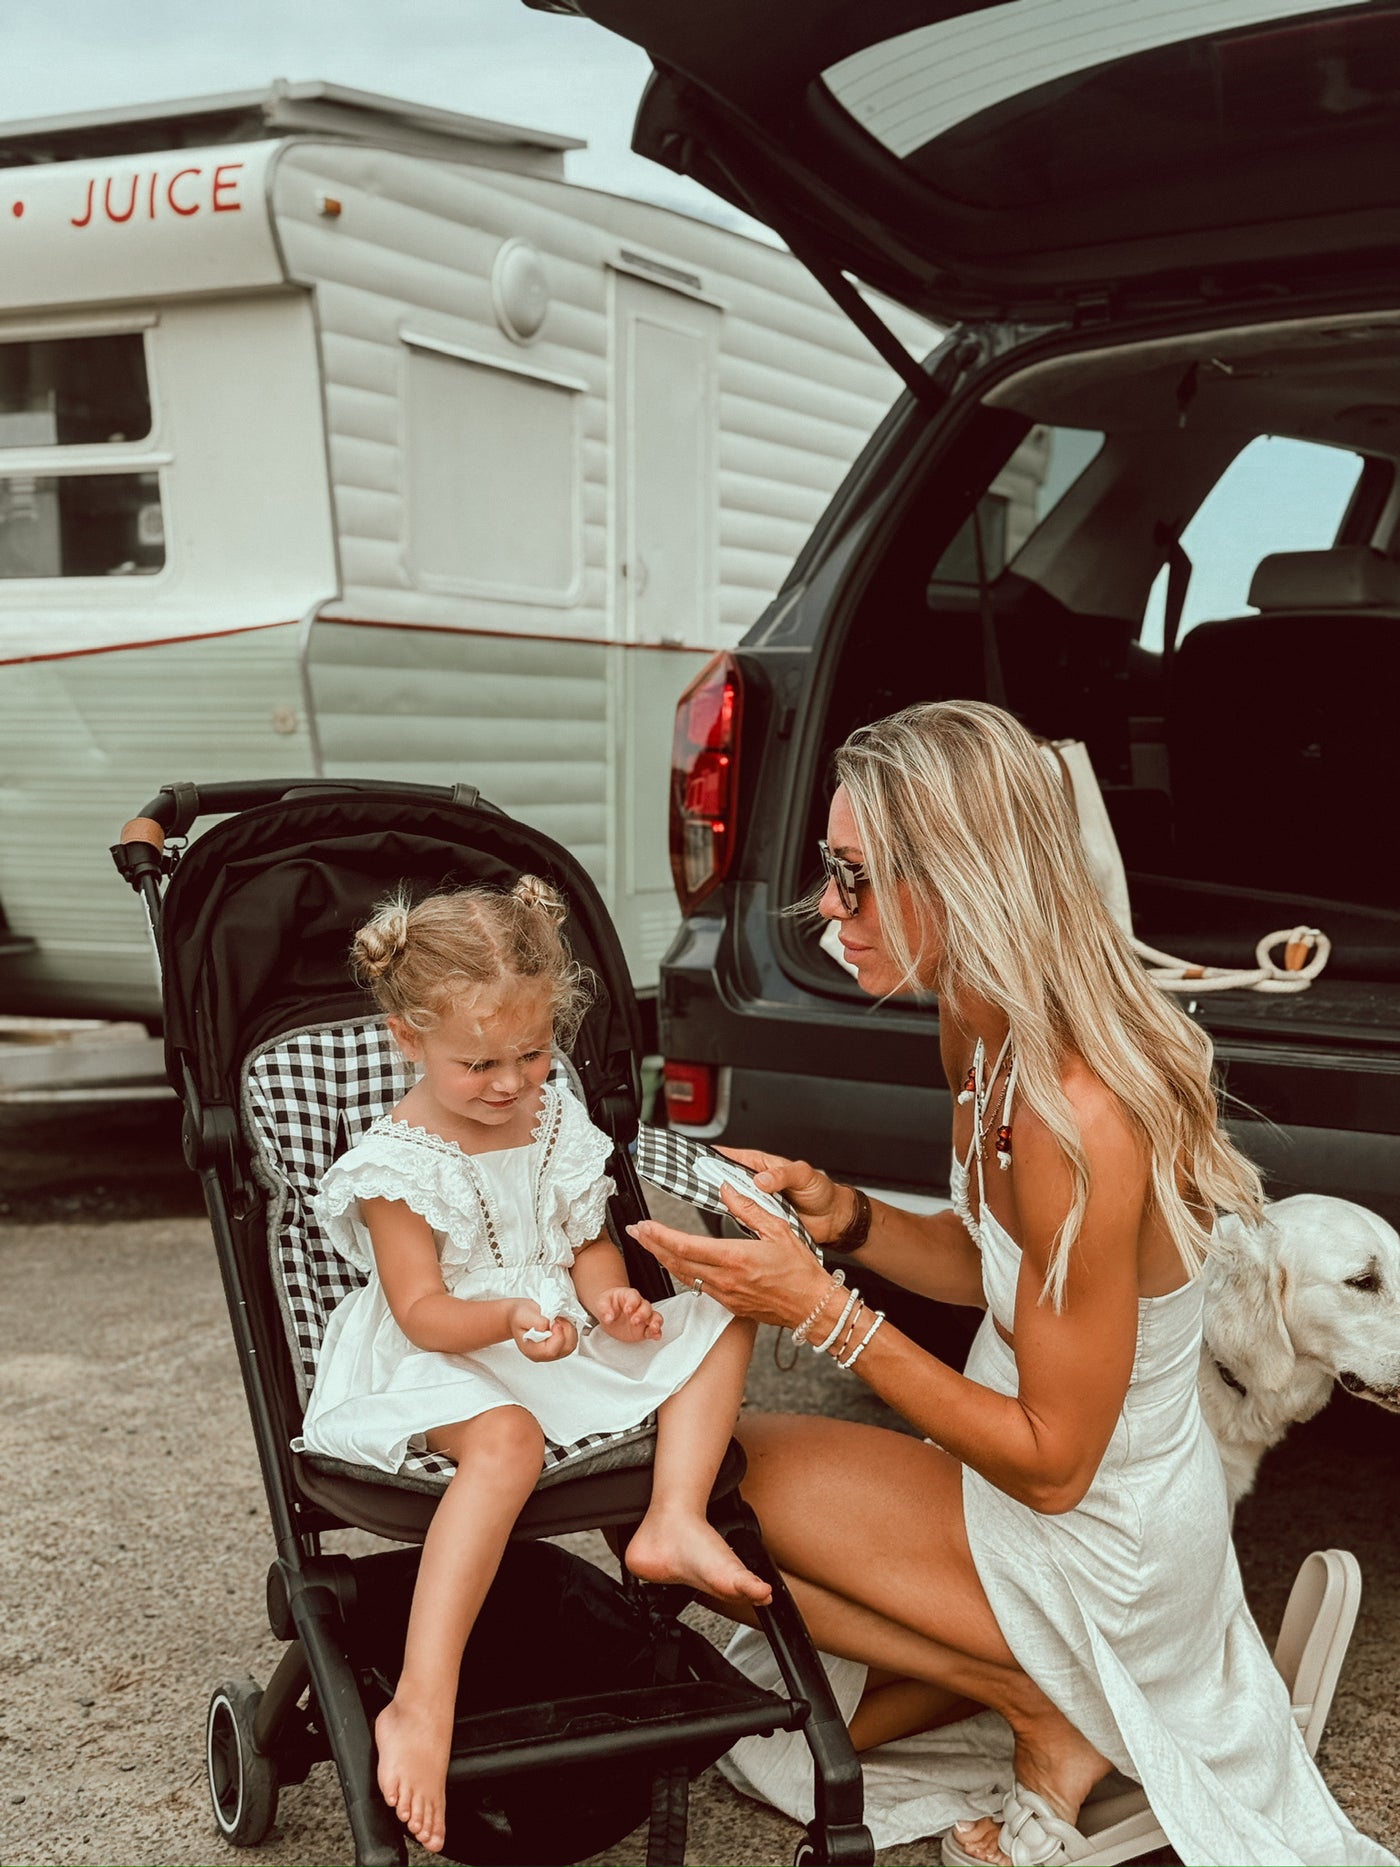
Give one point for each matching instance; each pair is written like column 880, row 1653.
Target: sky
column 500, row 59
column 490, row 58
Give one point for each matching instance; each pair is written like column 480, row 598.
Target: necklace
column 980, row 1090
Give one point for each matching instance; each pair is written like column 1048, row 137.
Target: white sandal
column 1118, row 1826
column 1034, row 1836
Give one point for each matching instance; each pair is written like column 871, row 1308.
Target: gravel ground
column 134, row 1537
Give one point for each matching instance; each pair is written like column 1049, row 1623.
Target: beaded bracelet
column 860, row 1346
column 799, row 1334
column 851, row 1332
column 820, row 1348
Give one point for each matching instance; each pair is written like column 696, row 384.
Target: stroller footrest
column 648, row 1721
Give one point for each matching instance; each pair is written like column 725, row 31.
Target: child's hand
column 627, row 1316
column 562, row 1338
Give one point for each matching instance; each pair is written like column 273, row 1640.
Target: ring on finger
column 698, row 1286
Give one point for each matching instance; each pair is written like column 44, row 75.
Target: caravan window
column 80, row 525
column 74, row 391
column 493, row 479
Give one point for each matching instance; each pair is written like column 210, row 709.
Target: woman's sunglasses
column 848, row 877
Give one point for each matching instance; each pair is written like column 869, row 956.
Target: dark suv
column 1152, row 252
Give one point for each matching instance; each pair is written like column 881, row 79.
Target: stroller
column 281, row 1064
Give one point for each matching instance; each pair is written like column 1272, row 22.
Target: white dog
column 1310, row 1297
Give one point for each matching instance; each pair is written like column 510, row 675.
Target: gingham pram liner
column 308, row 1097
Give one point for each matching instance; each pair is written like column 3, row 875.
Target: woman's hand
column 562, row 1339
column 825, row 1207
column 627, row 1316
column 771, row 1277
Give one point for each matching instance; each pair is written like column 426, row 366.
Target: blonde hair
column 955, row 800
column 419, row 959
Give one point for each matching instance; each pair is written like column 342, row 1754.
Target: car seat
column 1281, row 735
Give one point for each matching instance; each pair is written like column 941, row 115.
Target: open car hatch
column 1039, row 161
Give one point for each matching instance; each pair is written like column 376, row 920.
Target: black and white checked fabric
column 308, row 1097
column 668, row 1160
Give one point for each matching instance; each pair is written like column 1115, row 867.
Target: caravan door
column 665, row 441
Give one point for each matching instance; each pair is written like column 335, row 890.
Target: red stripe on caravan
column 514, row 635
column 160, row 641
column 354, row 622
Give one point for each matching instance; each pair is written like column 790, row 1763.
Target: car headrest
column 1347, row 577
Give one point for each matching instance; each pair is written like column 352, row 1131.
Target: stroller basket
column 281, row 1065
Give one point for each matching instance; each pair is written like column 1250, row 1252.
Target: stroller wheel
column 844, row 1844
column 242, row 1781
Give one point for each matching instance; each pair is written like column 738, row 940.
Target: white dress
column 506, row 1224
column 1128, row 1611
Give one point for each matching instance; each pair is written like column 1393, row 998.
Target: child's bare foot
column 413, row 1752
column 680, row 1547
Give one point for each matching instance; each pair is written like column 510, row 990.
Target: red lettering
column 107, row 200
column 85, row 220
column 221, row 186
column 179, row 176
column 151, row 196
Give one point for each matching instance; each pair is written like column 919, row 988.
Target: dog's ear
column 1245, row 1325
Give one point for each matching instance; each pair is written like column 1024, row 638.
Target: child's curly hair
column 417, row 959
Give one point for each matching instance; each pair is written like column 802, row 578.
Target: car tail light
column 690, row 1093
column 705, row 780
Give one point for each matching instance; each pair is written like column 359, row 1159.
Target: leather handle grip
column 144, row 830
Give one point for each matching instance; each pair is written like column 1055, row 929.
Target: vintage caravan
column 340, row 436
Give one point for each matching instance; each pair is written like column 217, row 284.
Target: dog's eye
column 1369, row 1281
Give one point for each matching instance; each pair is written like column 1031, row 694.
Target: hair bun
column 381, row 941
column 536, row 893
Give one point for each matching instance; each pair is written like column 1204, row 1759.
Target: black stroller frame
column 235, row 978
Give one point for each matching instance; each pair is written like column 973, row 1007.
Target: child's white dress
column 506, row 1224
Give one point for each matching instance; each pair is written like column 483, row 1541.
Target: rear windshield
column 1047, row 101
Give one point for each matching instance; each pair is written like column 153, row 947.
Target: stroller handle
column 177, row 807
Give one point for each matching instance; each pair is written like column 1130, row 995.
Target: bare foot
column 679, row 1547
column 413, row 1749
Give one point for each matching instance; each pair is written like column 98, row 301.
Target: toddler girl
column 477, row 1210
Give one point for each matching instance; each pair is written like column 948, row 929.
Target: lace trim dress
column 506, row 1224
column 1128, row 1611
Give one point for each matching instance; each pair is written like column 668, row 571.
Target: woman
column 1058, row 1547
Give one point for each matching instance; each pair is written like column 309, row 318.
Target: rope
column 1295, row 975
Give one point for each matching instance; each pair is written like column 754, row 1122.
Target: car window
column 1020, row 499
column 1277, row 495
